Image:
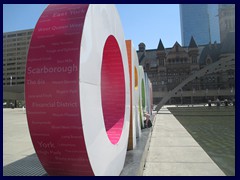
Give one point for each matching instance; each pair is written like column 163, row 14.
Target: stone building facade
column 168, row 67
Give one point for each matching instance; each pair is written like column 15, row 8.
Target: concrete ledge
column 135, row 159
column 144, row 156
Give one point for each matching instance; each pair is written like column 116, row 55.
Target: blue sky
column 141, row 22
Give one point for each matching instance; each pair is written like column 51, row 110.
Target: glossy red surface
column 113, row 89
column 52, row 91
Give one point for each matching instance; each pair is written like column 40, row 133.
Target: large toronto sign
column 82, row 91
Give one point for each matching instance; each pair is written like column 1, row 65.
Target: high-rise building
column 15, row 50
column 200, row 21
column 226, row 19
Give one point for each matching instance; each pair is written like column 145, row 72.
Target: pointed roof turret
column 160, row 46
column 192, row 43
column 177, row 44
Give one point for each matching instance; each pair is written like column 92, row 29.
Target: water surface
column 214, row 130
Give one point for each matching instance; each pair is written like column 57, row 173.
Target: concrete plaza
column 17, row 143
column 166, row 149
column 173, row 151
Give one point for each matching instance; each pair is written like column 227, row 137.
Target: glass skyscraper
column 200, row 21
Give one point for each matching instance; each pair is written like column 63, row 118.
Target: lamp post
column 218, row 91
column 232, row 95
column 193, row 92
column 181, row 97
column 206, row 94
column 10, row 80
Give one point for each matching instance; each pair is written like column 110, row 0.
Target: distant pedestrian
column 226, row 102
column 147, row 122
column 209, row 103
column 12, row 105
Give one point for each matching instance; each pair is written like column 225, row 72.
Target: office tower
column 200, row 21
column 226, row 19
column 15, row 50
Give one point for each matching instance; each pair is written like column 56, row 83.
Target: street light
column 218, row 92
column 10, row 80
column 181, row 96
column 206, row 93
column 193, row 92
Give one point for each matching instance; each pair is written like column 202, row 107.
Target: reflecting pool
column 214, row 130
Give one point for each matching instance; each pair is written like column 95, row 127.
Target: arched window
column 208, row 61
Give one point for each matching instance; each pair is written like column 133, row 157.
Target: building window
column 194, row 59
column 177, row 60
column 147, row 66
column 208, row 61
column 21, row 34
column 11, row 35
